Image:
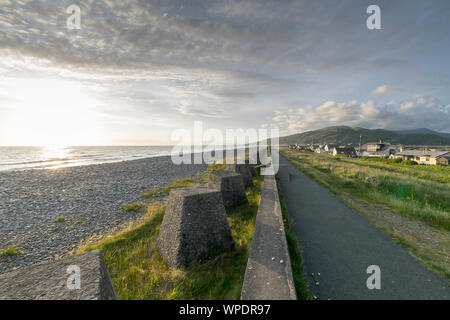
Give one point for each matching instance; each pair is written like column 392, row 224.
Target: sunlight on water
column 56, row 155
column 53, row 157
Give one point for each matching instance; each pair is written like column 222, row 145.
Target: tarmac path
column 339, row 245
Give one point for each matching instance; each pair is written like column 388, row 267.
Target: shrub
column 59, row 219
column 8, row 252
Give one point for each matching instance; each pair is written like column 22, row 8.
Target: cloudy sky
column 138, row 70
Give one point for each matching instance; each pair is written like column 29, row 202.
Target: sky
column 138, row 70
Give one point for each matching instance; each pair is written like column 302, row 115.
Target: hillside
column 345, row 135
column 425, row 130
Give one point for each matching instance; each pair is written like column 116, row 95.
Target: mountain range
column 349, row 135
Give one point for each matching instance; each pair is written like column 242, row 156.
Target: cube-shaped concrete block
column 231, row 186
column 253, row 167
column 76, row 277
column 194, row 228
column 244, row 170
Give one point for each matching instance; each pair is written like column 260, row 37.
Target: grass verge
column 138, row 272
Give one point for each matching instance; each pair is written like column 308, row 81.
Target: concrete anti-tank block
column 194, row 228
column 59, row 279
column 231, row 186
column 244, row 170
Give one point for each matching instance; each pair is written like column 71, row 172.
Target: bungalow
column 377, row 149
column 347, row 151
column 423, row 156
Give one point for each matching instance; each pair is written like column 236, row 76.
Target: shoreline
column 89, row 197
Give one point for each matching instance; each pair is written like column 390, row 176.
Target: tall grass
column 410, row 196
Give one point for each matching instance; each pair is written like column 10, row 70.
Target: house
column 347, row 151
column 297, row 147
column 443, row 160
column 319, row 149
column 377, row 149
column 423, row 156
column 329, row 147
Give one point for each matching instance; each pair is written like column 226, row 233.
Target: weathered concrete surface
column 48, row 281
column 339, row 244
column 231, row 186
column 268, row 275
column 194, row 228
column 244, row 170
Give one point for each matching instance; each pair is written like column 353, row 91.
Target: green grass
column 426, row 200
column 59, row 219
column 408, row 164
column 138, row 271
column 8, row 252
column 434, row 173
column 295, row 253
column 211, row 168
column 133, row 207
column 164, row 191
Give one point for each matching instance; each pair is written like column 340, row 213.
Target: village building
column 329, row 147
column 443, row 160
column 319, row 149
column 423, row 156
column 345, row 151
column 377, row 149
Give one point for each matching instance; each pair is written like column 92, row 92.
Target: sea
column 23, row 158
column 26, row 158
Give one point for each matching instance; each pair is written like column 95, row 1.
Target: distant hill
column 346, row 135
column 424, row 130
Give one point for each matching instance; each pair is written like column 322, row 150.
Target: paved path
column 340, row 244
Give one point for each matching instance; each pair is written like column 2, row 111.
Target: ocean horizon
column 17, row 158
column 25, row 158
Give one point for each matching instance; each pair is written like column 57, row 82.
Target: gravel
column 90, row 198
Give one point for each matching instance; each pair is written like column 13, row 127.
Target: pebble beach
column 90, row 198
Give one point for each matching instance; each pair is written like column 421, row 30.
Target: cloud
column 200, row 111
column 230, row 61
column 416, row 112
column 384, row 89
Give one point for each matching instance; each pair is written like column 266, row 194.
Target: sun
column 51, row 113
